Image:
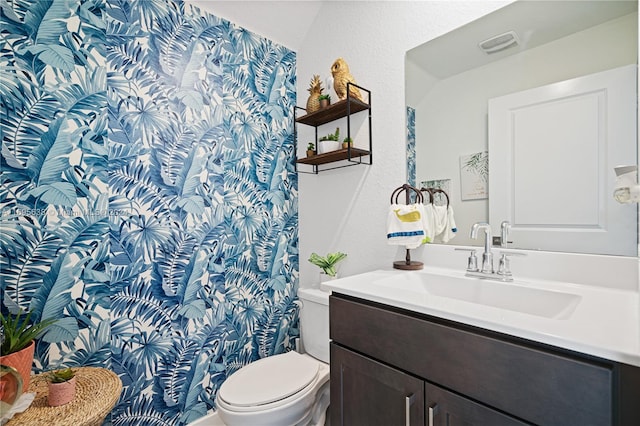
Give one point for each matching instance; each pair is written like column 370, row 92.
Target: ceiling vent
column 499, row 42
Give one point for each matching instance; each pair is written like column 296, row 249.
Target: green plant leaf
column 61, row 376
column 327, row 264
column 19, row 331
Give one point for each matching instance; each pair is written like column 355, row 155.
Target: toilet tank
column 314, row 322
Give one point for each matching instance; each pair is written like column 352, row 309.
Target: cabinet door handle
column 408, row 402
column 432, row 413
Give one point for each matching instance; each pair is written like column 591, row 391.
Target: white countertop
column 605, row 322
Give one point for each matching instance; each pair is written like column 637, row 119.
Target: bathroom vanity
column 394, row 366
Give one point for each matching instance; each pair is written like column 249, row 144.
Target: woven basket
column 97, row 391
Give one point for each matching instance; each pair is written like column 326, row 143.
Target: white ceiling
column 285, row 22
column 535, row 22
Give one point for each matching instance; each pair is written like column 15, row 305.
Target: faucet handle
column 505, row 227
column 504, row 265
column 472, row 262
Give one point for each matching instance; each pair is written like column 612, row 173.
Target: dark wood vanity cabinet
column 375, row 394
column 371, row 393
column 395, row 367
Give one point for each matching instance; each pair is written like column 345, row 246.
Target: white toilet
column 287, row 389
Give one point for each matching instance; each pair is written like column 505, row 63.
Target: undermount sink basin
column 510, row 296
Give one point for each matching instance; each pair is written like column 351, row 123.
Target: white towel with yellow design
column 406, row 225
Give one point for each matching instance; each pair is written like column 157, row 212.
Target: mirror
column 450, row 80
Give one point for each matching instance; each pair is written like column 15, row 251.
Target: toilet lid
column 269, row 379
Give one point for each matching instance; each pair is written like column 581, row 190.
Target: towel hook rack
column 433, row 191
column 428, row 191
column 407, row 264
column 406, row 188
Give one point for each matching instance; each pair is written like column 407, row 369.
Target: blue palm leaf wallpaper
column 411, row 146
column 55, row 253
column 149, row 195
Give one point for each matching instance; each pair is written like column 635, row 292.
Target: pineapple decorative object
column 341, row 75
column 315, row 90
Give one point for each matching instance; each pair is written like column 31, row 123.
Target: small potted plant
column 329, row 142
column 62, row 387
column 347, row 142
column 325, row 100
column 334, row 136
column 17, row 335
column 311, row 149
column 327, row 263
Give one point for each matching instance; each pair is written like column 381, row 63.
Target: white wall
column 345, row 209
column 283, row 21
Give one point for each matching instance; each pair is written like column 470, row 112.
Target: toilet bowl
column 286, row 389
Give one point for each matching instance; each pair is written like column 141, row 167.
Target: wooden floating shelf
column 330, row 157
column 332, row 112
column 343, row 157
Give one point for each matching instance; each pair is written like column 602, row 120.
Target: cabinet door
column 444, row 408
column 368, row 393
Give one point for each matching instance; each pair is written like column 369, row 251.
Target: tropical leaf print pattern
column 411, row 146
column 149, row 195
column 54, row 257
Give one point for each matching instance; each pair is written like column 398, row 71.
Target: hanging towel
column 406, row 225
column 441, row 225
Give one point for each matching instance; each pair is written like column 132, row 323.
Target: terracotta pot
column 21, row 361
column 324, row 103
column 61, row 393
column 310, row 153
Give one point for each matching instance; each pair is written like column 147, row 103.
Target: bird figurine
column 315, row 90
column 341, row 75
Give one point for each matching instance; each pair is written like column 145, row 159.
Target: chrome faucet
column 487, row 271
column 487, row 256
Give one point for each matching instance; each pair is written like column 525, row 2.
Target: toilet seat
column 269, row 382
